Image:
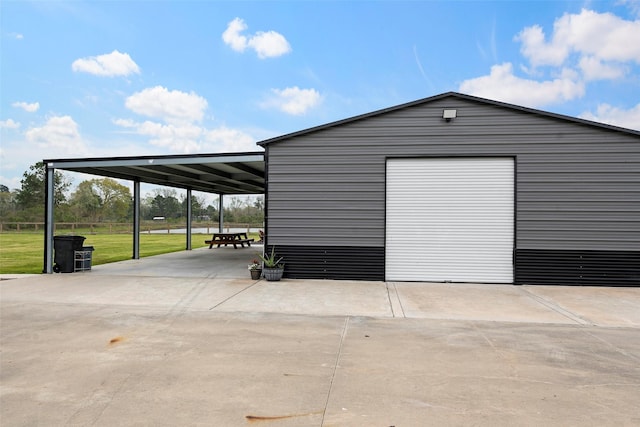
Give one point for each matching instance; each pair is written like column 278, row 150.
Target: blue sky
column 123, row 78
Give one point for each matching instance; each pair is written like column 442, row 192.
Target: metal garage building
column 457, row 188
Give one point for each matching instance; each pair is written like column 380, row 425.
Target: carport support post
column 188, row 219
column 136, row 219
column 220, row 214
column 48, row 219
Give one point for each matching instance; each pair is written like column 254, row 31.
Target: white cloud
column 582, row 48
column 502, row 85
column 107, row 65
column 538, row 51
column 269, row 44
column 594, row 69
column 12, row 182
column 182, row 138
column 176, row 126
column 293, row 100
column 31, row 108
column 9, row 124
column 224, row 139
column 606, row 113
column 189, row 138
column 232, row 36
column 59, row 133
column 603, row 36
column 266, row 44
column 633, row 5
column 16, row 36
column 171, row 106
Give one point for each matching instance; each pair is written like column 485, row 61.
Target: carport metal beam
column 220, row 214
column 48, row 214
column 136, row 219
column 188, row 231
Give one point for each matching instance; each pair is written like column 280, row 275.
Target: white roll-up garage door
column 450, row 219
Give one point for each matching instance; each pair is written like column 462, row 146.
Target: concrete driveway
column 117, row 347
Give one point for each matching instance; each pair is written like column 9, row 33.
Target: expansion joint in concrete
column 394, row 300
column 335, row 367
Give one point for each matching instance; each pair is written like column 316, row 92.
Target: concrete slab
column 438, row 372
column 223, row 263
column 603, row 306
column 313, row 297
column 79, row 364
column 62, row 365
column 464, row 301
column 159, row 292
column 9, row 276
column 135, row 347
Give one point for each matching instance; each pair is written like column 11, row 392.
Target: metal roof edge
column 353, row 119
column 162, row 159
column 441, row 96
column 546, row 113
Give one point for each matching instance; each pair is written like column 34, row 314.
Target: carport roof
column 227, row 173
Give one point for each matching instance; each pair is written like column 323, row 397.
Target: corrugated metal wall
column 578, row 186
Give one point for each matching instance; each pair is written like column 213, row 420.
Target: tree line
column 106, row 200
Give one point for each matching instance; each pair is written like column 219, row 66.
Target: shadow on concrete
column 222, row 263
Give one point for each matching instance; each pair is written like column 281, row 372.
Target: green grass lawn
column 22, row 253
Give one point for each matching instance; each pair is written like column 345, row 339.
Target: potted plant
column 255, row 269
column 272, row 266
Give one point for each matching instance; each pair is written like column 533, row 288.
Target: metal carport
column 221, row 174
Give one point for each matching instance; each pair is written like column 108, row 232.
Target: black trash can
column 82, row 261
column 65, row 247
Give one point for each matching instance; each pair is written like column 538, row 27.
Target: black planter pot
column 255, row 274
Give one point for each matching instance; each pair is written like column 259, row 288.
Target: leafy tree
column 246, row 210
column 145, row 209
column 7, row 205
column 164, row 203
column 116, row 199
column 258, row 204
column 197, row 206
column 101, row 199
column 85, row 202
column 30, row 197
column 212, row 211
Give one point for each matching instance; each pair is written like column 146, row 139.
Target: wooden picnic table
column 234, row 239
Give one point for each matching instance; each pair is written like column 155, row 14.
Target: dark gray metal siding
column 578, row 186
column 325, row 200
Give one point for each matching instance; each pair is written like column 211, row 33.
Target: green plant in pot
column 272, row 266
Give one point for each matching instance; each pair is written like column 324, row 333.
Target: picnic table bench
column 234, row 239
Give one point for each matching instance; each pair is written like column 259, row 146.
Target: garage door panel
column 450, row 220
